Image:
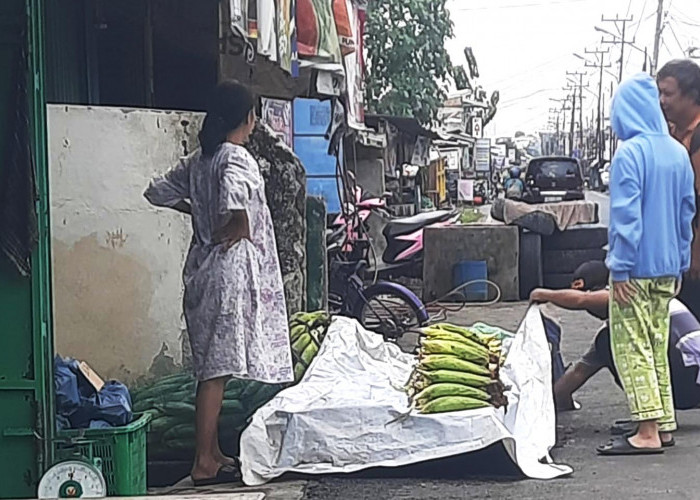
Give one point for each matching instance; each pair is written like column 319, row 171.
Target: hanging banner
column 353, row 73
column 317, row 35
column 253, row 19
column 482, row 155
column 287, row 36
column 421, row 152
column 267, row 29
column 277, row 114
column 239, row 16
column 342, row 10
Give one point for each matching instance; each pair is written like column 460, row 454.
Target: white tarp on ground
column 336, row 420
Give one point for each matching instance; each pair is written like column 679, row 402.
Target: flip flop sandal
column 623, row 427
column 664, row 444
column 620, row 446
column 225, row 475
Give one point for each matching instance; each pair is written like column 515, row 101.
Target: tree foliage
column 408, row 65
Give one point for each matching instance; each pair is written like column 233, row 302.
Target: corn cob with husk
column 457, row 370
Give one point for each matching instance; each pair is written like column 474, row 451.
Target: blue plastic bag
column 79, row 405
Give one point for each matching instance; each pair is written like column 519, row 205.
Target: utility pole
column 622, row 41
column 572, row 132
column 562, row 113
column 600, row 55
column 581, row 86
column 555, row 112
column 573, row 123
column 657, row 36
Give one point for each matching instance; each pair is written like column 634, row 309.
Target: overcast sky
column 524, row 48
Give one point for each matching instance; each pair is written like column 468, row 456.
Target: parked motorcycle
column 402, row 246
column 387, row 308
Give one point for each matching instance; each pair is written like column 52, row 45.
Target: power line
column 521, row 5
column 516, row 100
column 531, row 70
column 641, row 16
column 673, row 32
column 683, row 14
column 688, row 23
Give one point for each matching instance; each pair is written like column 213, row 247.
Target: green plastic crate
column 121, row 451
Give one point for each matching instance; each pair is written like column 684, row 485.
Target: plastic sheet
column 342, row 416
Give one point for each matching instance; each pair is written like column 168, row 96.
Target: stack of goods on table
column 457, row 370
column 170, row 400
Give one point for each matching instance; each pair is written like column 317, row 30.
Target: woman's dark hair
column 228, row 109
column 687, row 74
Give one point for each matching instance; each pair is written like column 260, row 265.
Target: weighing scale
column 73, row 479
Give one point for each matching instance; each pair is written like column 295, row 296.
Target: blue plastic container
column 471, row 270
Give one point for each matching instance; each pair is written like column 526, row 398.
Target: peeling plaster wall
column 117, row 260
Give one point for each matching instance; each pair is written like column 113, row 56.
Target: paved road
column 603, row 201
column 489, row 474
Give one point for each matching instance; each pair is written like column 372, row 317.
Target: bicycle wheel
column 391, row 311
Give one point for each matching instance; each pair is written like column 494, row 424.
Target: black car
column 552, row 179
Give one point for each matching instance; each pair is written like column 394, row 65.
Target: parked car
column 552, row 179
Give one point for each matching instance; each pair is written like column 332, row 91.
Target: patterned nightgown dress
column 234, row 298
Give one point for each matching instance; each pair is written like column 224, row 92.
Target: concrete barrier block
column 444, row 247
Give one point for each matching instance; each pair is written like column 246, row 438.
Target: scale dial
column 72, row 479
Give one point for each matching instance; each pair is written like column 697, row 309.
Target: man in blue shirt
column 652, row 205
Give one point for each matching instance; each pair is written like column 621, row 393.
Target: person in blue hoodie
column 652, row 205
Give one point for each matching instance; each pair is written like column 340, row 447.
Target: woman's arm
column 235, row 229
column 172, row 189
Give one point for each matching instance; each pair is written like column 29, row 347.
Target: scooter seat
column 407, row 225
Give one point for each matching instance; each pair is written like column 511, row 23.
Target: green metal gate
column 26, row 338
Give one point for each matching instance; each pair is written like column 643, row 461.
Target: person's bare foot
column 224, row 460
column 645, row 442
column 205, row 468
column 666, row 437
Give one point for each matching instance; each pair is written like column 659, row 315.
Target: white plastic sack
column 337, row 418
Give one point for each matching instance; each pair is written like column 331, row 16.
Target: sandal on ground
column 623, row 427
column 225, row 475
column 620, row 446
column 664, row 444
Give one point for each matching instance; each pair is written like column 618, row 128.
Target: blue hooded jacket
column 652, row 198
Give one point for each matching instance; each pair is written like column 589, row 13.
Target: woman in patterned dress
column 234, row 298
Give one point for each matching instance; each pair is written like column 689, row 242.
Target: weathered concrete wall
column 117, row 260
column 445, row 247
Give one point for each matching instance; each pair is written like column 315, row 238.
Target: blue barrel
column 471, row 270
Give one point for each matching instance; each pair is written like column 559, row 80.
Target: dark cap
column 594, row 274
